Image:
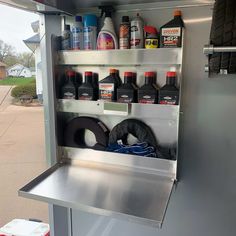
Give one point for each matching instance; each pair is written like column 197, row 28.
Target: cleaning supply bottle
column 127, row 92
column 124, row 33
column 108, row 87
column 107, row 38
column 169, row 94
column 137, row 33
column 77, row 34
column 66, row 38
column 90, row 32
column 172, row 32
column 148, row 93
column 87, row 90
column 68, row 90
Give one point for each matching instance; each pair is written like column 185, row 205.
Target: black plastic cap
column 125, row 19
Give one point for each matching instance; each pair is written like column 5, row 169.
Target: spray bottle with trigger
column 107, row 38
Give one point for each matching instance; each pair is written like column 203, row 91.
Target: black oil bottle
column 169, row 94
column 108, row 86
column 87, row 90
column 172, row 32
column 148, row 93
column 127, row 92
column 68, row 90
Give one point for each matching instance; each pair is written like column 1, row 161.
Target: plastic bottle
column 66, row 38
column 124, row 33
column 77, row 34
column 90, row 32
column 151, row 37
column 108, row 86
column 148, row 93
column 107, row 38
column 87, row 91
column 68, row 90
column 137, row 34
column 169, row 94
column 127, row 92
column 172, row 32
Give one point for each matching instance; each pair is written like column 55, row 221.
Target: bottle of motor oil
column 87, row 91
column 68, row 90
column 66, row 38
column 137, row 34
column 169, row 94
column 108, row 86
column 148, row 93
column 77, row 34
column 127, row 92
column 124, row 33
column 172, row 32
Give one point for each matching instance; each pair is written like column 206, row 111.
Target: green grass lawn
column 16, row 81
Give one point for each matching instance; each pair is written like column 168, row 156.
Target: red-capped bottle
column 87, row 91
column 169, row 93
column 148, row 93
column 68, row 90
column 127, row 92
column 108, row 86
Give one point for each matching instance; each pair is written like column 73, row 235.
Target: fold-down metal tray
column 124, row 186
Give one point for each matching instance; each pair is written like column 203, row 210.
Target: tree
column 27, row 59
column 6, row 51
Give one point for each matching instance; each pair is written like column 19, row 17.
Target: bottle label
column 147, row 99
column 106, row 91
column 77, row 41
column 136, row 40
column 124, row 37
column 168, row 100
column 125, row 99
column 105, row 41
column 171, row 37
column 90, row 36
column 68, row 95
column 86, row 97
column 151, row 43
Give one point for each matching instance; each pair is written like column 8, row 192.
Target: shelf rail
column 210, row 49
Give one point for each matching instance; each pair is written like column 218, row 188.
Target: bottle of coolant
column 77, row 34
column 108, row 86
column 137, row 33
column 90, row 32
column 172, row 32
column 107, row 38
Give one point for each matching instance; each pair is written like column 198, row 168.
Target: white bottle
column 137, row 33
column 107, row 38
column 90, row 32
column 77, row 34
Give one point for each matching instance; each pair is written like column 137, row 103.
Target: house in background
column 33, row 43
column 19, row 70
column 2, row 71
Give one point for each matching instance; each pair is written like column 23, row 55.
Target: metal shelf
column 123, row 186
column 167, row 112
column 160, row 56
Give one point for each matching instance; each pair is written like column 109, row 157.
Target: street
column 22, row 158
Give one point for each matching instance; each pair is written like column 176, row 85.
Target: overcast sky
column 15, row 26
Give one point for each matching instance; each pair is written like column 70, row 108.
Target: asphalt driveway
column 21, row 158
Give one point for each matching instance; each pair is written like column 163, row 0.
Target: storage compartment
column 100, row 178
